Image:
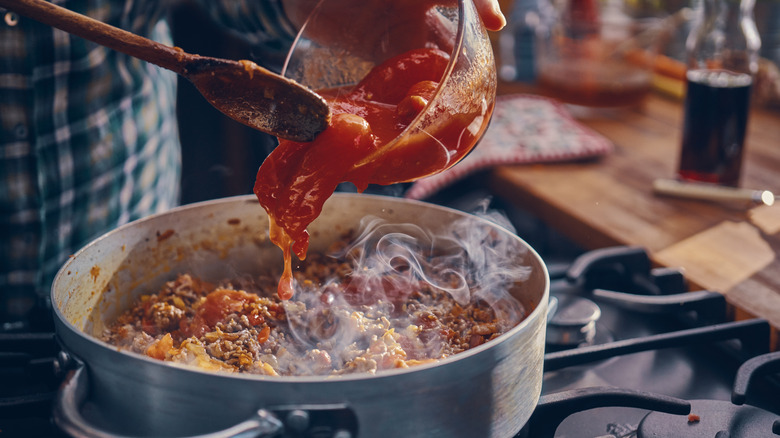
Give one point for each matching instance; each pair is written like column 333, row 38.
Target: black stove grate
column 29, row 379
column 660, row 336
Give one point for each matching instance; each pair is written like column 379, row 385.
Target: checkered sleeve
column 88, row 142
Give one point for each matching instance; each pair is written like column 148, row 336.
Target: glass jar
column 598, row 53
column 722, row 53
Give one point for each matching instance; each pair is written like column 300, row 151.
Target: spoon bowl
column 259, row 98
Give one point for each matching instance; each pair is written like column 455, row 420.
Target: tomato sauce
column 296, row 179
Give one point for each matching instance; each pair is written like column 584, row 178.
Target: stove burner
column 29, row 377
column 709, row 418
column 574, row 321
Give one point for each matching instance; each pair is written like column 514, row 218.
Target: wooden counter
column 725, row 248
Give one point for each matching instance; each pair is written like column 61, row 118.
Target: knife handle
column 712, row 192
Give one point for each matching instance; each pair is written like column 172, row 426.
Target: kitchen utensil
column 487, row 391
column 712, row 192
column 242, row 90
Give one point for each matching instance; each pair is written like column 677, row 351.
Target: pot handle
column 335, row 421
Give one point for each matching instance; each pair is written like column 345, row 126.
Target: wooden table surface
column 731, row 249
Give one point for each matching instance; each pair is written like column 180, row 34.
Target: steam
column 402, row 255
column 493, row 262
column 472, row 262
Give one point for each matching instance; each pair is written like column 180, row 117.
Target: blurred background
column 540, row 32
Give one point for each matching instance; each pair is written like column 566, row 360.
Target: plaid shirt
column 88, row 136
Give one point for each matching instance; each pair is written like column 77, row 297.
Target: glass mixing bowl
column 598, row 53
column 342, row 40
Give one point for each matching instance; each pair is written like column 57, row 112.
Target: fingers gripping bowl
column 489, row 390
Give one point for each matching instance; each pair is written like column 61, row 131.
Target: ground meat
column 165, row 317
column 330, row 327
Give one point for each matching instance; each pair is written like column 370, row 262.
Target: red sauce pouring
column 296, row 179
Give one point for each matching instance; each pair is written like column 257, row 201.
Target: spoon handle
column 106, row 35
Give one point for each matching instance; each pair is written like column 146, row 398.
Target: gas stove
column 30, row 374
column 631, row 353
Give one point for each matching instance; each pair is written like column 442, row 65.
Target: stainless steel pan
column 488, row 391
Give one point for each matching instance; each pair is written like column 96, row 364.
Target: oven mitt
column 524, row 129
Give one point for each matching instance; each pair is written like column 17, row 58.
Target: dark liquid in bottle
column 716, row 109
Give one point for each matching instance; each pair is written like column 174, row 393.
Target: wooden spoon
column 242, row 90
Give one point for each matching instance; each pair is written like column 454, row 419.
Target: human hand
column 491, row 14
column 378, row 24
column 489, row 11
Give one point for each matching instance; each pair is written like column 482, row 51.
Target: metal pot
column 488, row 391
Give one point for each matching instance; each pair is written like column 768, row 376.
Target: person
column 88, row 135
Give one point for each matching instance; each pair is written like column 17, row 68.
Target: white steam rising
column 403, row 255
column 473, row 261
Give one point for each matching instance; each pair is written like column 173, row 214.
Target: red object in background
column 582, row 16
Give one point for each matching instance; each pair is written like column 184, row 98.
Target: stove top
column 631, row 353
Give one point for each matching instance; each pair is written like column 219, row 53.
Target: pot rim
column 540, row 307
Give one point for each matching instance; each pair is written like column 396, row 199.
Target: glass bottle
column 525, row 19
column 722, row 60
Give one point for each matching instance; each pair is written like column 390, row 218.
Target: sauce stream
column 297, row 178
